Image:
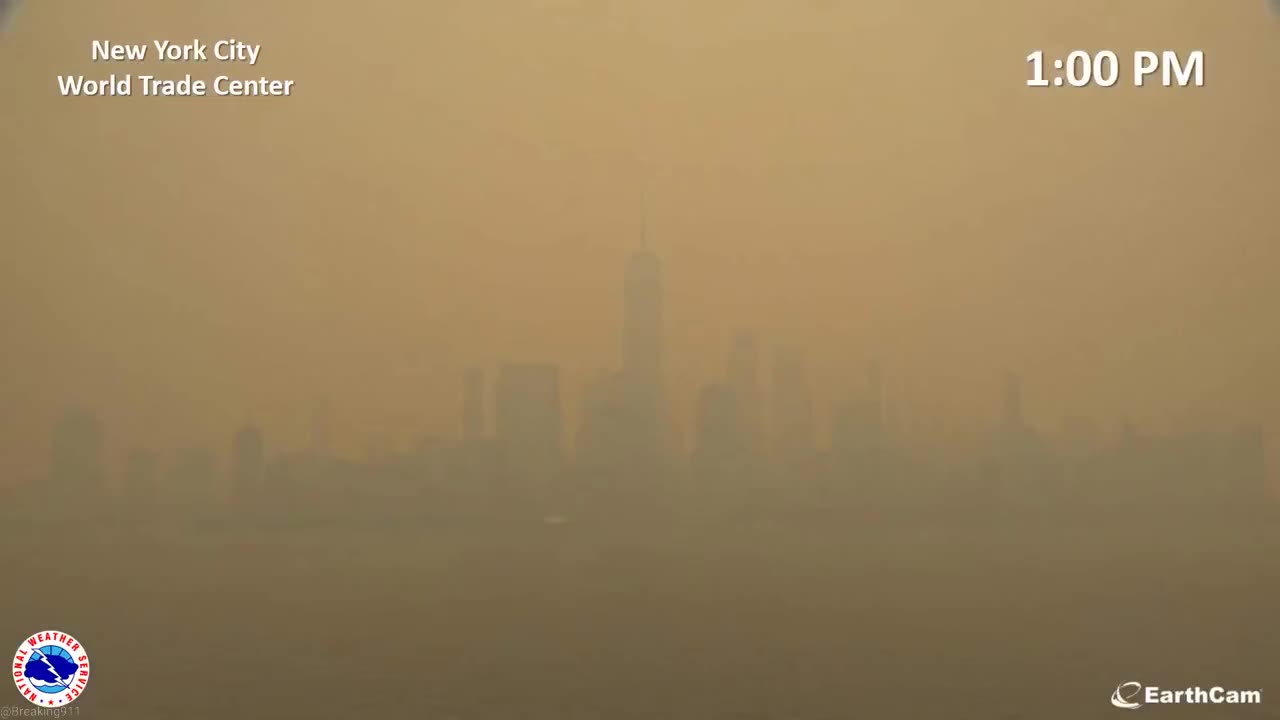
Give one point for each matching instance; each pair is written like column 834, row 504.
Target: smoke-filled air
column 642, row 359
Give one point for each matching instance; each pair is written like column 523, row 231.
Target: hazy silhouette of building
column 321, row 431
column 1016, row 440
column 192, row 479
column 75, row 462
column 1080, row 437
column 1022, row 469
column 793, row 426
column 642, row 351
column 473, row 457
column 138, row 483
column 600, row 446
column 1012, row 417
column 857, row 426
column 875, row 400
column 248, row 463
column 721, row 443
column 744, row 378
column 473, row 407
column 1208, row 471
column 528, row 420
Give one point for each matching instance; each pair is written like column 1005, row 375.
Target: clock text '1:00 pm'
column 1102, row 69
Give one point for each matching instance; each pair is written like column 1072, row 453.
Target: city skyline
column 367, row 246
column 513, row 423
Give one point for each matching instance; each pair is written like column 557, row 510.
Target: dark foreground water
column 603, row 621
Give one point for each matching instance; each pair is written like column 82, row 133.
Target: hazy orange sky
column 458, row 183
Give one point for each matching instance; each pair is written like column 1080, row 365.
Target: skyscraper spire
column 642, row 337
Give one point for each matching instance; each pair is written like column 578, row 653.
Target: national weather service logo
column 51, row 669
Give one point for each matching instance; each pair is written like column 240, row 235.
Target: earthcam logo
column 51, row 669
column 1133, row 695
column 1126, row 696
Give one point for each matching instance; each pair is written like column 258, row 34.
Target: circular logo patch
column 51, row 669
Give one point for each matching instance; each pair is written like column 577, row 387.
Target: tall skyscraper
column 857, row 427
column 1012, row 416
column 792, row 405
column 642, row 340
column 320, row 430
column 721, row 442
column 473, row 407
column 138, row 481
column 248, row 463
column 600, row 438
column 528, row 419
column 743, row 376
column 875, row 395
column 1017, row 442
column 193, row 476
